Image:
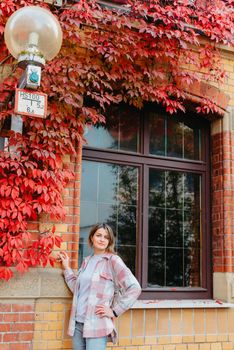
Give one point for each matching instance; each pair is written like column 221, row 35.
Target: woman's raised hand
column 64, row 259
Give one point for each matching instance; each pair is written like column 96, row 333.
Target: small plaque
column 32, row 104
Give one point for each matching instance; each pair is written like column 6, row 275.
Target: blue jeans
column 81, row 343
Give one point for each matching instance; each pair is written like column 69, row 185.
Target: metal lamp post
column 33, row 36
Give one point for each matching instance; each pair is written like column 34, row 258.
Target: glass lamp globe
column 33, row 33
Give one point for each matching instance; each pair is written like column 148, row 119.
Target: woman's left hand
column 104, row 311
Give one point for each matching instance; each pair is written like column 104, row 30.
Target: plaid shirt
column 112, row 285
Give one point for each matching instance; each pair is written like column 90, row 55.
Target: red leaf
column 52, row 261
column 5, row 273
column 58, row 241
column 15, row 192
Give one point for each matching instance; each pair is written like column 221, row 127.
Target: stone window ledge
column 181, row 304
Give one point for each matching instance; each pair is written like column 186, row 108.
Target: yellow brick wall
column 139, row 329
column 176, row 329
column 51, row 322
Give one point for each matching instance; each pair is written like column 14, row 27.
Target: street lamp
column 33, row 36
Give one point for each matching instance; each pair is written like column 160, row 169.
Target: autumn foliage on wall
column 144, row 52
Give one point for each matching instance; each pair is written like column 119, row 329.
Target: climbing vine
column 146, row 51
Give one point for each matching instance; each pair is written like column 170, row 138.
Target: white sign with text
column 32, row 104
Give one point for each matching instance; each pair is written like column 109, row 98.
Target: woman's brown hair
column 111, row 245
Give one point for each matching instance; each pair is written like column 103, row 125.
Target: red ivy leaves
column 26, row 191
column 141, row 54
column 8, row 7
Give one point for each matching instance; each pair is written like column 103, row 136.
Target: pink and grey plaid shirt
column 112, row 285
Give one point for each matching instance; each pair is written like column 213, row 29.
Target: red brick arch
column 199, row 90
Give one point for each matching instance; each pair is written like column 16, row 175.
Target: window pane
column 192, row 143
column 120, row 132
column 90, row 190
column 157, row 188
column 128, row 254
column 157, row 134
column 174, row 267
column 156, row 226
column 174, row 189
column 192, row 262
column 174, row 229
column 173, row 138
column 113, row 200
column 156, row 262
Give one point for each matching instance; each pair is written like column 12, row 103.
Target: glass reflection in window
column 120, row 132
column 173, row 138
column 174, row 229
column 109, row 193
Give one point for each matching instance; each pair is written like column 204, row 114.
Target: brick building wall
column 42, row 325
column 16, row 325
column 34, row 308
column 222, row 141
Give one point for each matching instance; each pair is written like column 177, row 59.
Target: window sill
column 181, row 304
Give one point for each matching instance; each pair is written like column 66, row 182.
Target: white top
column 85, row 278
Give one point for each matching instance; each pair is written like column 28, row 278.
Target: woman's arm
column 69, row 275
column 126, row 282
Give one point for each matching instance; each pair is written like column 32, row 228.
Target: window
column 146, row 173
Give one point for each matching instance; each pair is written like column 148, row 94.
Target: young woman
column 103, row 289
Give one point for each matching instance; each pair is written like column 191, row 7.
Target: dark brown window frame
column 144, row 162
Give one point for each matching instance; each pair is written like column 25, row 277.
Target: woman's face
column 100, row 241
